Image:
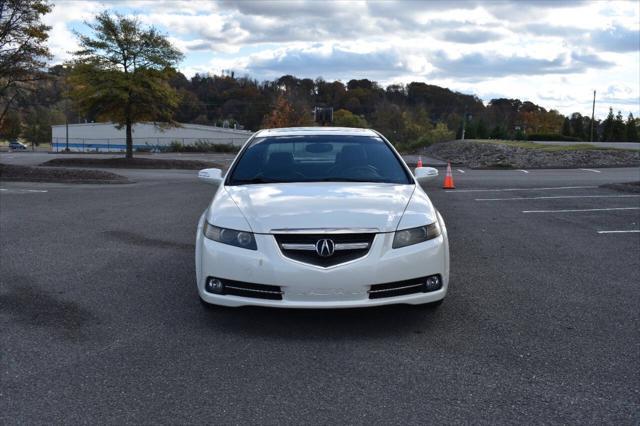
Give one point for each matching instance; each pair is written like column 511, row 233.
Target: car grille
column 399, row 288
column 346, row 247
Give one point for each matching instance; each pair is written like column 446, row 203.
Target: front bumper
column 308, row 286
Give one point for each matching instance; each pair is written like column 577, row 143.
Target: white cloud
column 552, row 52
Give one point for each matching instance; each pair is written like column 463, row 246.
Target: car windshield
column 322, row 158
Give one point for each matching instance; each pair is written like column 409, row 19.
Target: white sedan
column 320, row 217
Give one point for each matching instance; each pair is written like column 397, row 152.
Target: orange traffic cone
column 419, row 162
column 448, row 179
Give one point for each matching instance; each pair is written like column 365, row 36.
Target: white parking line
column 581, row 210
column 461, row 171
column 522, row 189
column 22, row 191
column 523, row 171
column 557, row 197
column 619, row 232
column 591, row 170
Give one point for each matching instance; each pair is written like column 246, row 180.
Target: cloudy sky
column 554, row 53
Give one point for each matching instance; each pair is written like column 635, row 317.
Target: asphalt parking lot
column 100, row 321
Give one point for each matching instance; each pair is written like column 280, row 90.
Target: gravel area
column 131, row 163
column 482, row 155
column 44, row 174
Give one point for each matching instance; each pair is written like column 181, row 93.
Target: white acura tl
column 320, row 217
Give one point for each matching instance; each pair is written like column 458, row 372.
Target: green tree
column 632, row 129
column 607, row 127
column 566, row 127
column 122, row 73
column 577, row 126
column 619, row 129
column 11, row 126
column 481, row 130
column 344, row 118
column 37, row 124
column 498, row 133
column 23, row 49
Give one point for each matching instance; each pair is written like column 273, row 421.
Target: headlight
column 232, row 237
column 408, row 237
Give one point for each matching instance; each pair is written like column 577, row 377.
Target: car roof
column 316, row 131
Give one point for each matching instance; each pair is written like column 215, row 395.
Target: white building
column 146, row 136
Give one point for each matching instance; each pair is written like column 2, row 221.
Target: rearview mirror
column 425, row 173
column 213, row 176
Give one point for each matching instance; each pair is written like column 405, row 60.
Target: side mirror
column 213, row 176
column 425, row 173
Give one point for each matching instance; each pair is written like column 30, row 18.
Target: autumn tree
column 285, row 115
column 23, row 50
column 122, row 73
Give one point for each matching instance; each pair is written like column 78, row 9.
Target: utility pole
column 66, row 112
column 464, row 121
column 593, row 111
column 66, row 127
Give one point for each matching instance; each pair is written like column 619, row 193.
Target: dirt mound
column 131, row 163
column 484, row 155
column 42, row 174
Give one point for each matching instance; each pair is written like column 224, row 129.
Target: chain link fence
column 224, row 144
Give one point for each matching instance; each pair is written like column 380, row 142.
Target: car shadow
column 330, row 324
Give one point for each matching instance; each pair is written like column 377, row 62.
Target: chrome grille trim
column 395, row 288
column 253, row 290
column 325, row 231
column 312, row 247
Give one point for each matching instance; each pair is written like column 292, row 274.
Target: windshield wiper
column 346, row 179
column 254, row 180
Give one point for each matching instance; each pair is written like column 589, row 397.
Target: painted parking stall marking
column 591, row 170
column 628, row 231
column 581, row 210
column 558, row 197
column 22, row 191
column 522, row 189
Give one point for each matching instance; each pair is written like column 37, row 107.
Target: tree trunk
column 129, row 140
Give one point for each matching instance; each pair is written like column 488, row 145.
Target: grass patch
column 550, row 148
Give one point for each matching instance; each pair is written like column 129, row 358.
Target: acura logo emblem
column 325, row 247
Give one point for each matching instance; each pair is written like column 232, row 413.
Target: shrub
column 552, row 137
column 440, row 133
column 202, row 146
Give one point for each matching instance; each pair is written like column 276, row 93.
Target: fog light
column 214, row 285
column 433, row 283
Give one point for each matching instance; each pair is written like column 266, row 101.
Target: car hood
column 341, row 205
